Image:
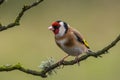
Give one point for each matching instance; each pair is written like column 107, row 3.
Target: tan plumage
column 69, row 39
column 70, row 44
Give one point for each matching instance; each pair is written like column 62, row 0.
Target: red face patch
column 55, row 24
column 56, row 31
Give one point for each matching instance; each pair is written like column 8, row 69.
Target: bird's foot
column 60, row 63
column 76, row 59
column 62, row 60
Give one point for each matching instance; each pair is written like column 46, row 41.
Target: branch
column 18, row 66
column 1, row 1
column 44, row 72
column 18, row 18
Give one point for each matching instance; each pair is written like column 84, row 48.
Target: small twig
column 44, row 72
column 1, row 1
column 18, row 18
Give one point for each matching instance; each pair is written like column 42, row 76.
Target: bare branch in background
column 21, row 13
column 1, row 1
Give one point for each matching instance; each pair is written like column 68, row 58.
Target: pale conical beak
column 51, row 28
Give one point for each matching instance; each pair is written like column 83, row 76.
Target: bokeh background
column 31, row 42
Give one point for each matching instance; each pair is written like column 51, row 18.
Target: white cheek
column 61, row 32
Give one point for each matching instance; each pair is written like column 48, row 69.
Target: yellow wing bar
column 86, row 43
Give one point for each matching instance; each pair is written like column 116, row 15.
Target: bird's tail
column 90, row 52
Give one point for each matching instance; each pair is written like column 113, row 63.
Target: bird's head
column 59, row 28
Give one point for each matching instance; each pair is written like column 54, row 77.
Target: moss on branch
column 44, row 72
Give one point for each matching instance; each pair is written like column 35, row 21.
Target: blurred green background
column 31, row 42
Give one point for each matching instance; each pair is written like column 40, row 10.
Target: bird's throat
column 56, row 31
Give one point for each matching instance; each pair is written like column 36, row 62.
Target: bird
column 69, row 39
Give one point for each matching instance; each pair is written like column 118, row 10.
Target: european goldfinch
column 69, row 39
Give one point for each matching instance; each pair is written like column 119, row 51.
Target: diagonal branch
column 44, row 72
column 18, row 18
column 1, row 1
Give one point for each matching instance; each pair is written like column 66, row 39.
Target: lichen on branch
column 44, row 72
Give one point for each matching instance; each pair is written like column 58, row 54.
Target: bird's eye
column 56, row 27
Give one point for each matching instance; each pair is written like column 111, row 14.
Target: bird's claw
column 60, row 63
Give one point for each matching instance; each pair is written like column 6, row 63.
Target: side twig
column 1, row 1
column 18, row 18
column 44, row 72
